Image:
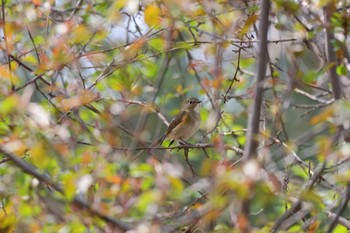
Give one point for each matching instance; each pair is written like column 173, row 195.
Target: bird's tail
column 157, row 142
column 154, row 144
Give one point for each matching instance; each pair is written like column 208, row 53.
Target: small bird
column 184, row 125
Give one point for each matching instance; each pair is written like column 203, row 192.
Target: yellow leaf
column 114, row 11
column 69, row 185
column 80, row 34
column 8, row 219
column 199, row 12
column 179, row 88
column 152, row 13
column 30, row 59
column 39, row 155
column 5, row 73
column 177, row 185
column 248, row 24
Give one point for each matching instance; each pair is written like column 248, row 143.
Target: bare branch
column 336, row 88
column 254, row 117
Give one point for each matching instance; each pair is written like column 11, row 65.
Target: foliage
column 86, row 86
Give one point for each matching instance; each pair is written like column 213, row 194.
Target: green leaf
column 310, row 76
column 342, row 70
column 147, row 199
column 315, row 199
column 8, row 105
column 157, row 44
column 69, row 187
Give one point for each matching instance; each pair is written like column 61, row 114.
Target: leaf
column 114, row 10
column 85, row 97
column 340, row 229
column 134, row 48
column 80, row 34
column 15, row 145
column 149, row 69
column 8, row 219
column 177, row 186
column 68, row 181
column 342, row 70
column 152, row 14
column 39, row 155
column 25, row 209
column 30, row 59
column 114, row 179
column 147, row 199
column 324, row 116
column 5, row 73
column 313, row 226
column 315, row 199
column 9, row 104
column 184, row 45
column 157, row 44
column 4, row 127
column 248, row 24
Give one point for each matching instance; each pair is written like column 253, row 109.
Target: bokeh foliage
column 84, row 87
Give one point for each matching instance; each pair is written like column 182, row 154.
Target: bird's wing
column 176, row 121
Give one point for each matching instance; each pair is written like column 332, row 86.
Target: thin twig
column 194, row 174
column 234, row 76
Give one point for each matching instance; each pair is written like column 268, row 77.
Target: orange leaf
column 135, row 47
column 114, row 179
column 313, row 227
column 325, row 115
column 86, row 158
column 7, row 74
column 37, row 2
column 84, row 98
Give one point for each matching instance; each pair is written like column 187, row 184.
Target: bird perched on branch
column 184, row 125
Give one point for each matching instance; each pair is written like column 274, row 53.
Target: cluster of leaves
column 86, row 86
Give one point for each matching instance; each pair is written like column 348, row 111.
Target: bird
column 184, row 125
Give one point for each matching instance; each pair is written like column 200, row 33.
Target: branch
column 297, row 203
column 3, row 2
column 312, row 97
column 78, row 201
column 341, row 209
column 143, row 104
column 185, row 146
column 254, row 118
column 194, row 174
column 297, row 158
column 341, row 220
column 234, row 76
column 336, row 88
